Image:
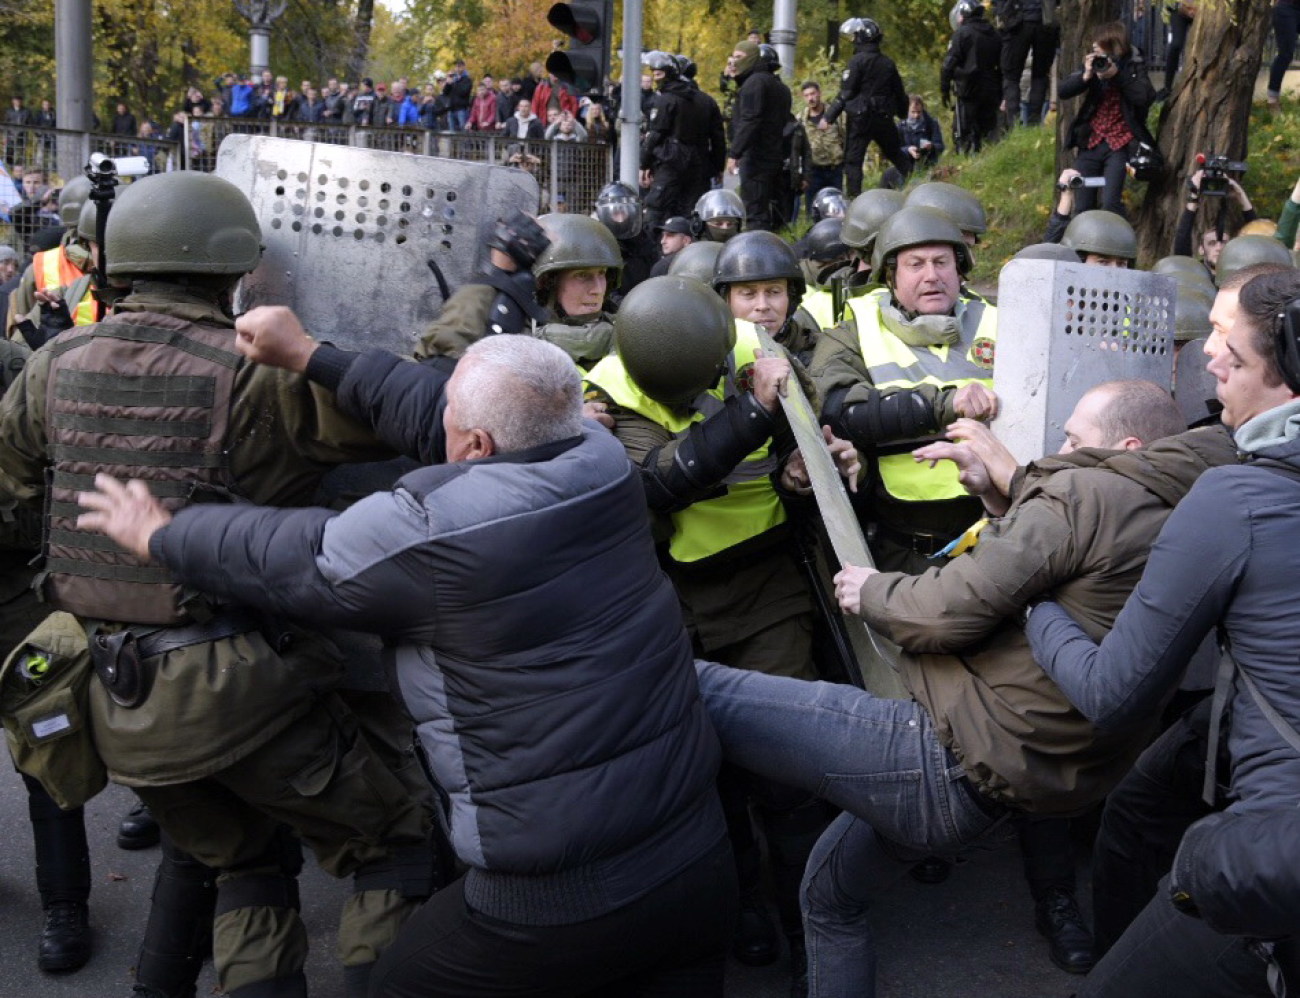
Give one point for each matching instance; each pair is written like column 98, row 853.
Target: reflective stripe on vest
column 892, row 364
column 52, row 269
column 750, row 506
column 821, row 306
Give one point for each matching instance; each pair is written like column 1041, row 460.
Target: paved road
column 972, row 936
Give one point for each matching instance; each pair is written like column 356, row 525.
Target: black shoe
column 65, row 940
column 755, row 943
column 1069, row 943
column 798, row 969
column 931, row 870
column 138, row 829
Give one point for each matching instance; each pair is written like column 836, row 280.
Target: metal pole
column 259, row 49
column 72, row 58
column 784, row 35
column 629, row 154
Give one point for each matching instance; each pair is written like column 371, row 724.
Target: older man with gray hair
column 537, row 647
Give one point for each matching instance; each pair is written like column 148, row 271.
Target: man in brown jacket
column 987, row 734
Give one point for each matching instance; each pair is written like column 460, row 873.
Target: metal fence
column 570, row 174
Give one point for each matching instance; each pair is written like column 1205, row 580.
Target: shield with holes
column 366, row 245
column 1064, row 328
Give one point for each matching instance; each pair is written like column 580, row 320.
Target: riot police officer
column 872, row 94
column 972, row 67
column 759, row 118
column 1101, row 237
column 679, row 151
column 718, row 216
column 759, row 276
column 620, row 209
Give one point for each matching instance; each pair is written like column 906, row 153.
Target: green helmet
column 182, row 223
column 1175, row 265
column 1246, row 251
column 957, row 203
column 87, row 222
column 75, row 193
column 696, row 260
column 1191, row 315
column 1047, row 251
column 866, row 213
column 577, row 241
column 1101, row 232
column 673, row 335
column 918, row 227
column 759, row 256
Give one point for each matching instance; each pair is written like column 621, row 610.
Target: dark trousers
column 761, row 187
column 62, row 856
column 1286, row 24
column 1048, row 854
column 819, row 177
column 1178, row 25
column 974, row 122
column 671, row 943
column 1102, row 161
column 1028, row 38
column 863, row 130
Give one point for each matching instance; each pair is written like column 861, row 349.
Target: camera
column 1100, row 63
column 1215, row 170
column 1074, row 183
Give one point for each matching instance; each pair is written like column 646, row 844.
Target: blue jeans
column 880, row 760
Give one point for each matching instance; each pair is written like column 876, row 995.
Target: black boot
column 754, row 943
column 65, row 941
column 138, row 829
column 931, row 870
column 1068, row 940
column 178, row 934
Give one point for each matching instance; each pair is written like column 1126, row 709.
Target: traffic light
column 585, row 62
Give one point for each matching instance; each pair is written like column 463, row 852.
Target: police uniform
column 680, row 148
column 915, row 509
column 871, row 92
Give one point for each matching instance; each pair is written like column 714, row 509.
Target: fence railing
column 570, row 174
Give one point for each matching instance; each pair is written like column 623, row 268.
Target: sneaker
column 65, row 940
column 1069, row 943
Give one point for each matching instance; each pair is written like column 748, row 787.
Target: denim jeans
column 881, row 761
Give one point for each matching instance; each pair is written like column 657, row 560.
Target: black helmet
column 824, row 242
column 686, row 67
column 663, row 61
column 970, row 8
column 767, row 56
column 861, row 29
column 828, row 203
column 720, row 206
column 759, row 256
column 618, row 206
column 673, row 336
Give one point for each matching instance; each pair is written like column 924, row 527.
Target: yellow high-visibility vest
column 52, row 269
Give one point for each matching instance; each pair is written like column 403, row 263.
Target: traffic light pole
column 629, row 156
column 784, row 35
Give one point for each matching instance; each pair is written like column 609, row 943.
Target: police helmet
column 1101, row 232
column 970, row 8
column 957, row 203
column 865, row 214
column 824, row 242
column 1047, row 251
column 913, row 226
column 686, row 67
column 861, row 29
column 75, row 193
column 577, row 242
column 662, row 61
column 673, row 335
column 768, row 57
column 696, row 260
column 1191, row 314
column 182, row 223
column 828, row 203
column 618, row 206
column 759, row 256
column 722, row 212
column 87, row 222
column 1246, row 251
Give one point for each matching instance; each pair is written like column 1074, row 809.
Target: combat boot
column 139, row 829
column 1068, row 940
column 65, row 940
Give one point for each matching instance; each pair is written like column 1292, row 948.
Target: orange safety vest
column 53, row 269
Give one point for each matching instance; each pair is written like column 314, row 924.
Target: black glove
column 520, row 238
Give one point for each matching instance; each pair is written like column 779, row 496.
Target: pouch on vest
column 44, row 704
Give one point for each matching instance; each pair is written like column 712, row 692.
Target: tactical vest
column 52, row 269
column 750, row 506
column 892, row 364
column 140, row 396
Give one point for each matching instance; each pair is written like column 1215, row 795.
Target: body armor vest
column 141, row 396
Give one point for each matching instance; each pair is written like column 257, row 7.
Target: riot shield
column 1064, row 328
column 366, row 245
column 877, row 657
column 1194, row 386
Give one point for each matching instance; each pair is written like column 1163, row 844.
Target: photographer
column 1112, row 121
column 1067, row 184
column 1212, row 184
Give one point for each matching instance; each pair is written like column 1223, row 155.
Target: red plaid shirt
column 1108, row 123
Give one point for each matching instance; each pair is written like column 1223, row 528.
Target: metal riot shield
column 1064, row 328
column 877, row 656
column 1194, row 385
column 366, row 245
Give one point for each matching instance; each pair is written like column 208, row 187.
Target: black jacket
column 1136, row 97
column 870, row 86
column 973, row 64
column 677, row 135
column 758, row 118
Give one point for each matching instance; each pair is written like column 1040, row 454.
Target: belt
column 990, row 807
column 923, row 544
column 224, row 625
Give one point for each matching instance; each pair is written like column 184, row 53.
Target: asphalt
column 971, row 936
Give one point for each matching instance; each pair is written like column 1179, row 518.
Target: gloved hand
column 520, row 237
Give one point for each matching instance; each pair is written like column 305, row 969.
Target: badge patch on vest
column 982, row 351
column 745, row 379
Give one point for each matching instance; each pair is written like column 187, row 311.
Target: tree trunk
column 1078, row 20
column 361, row 34
column 1208, row 111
